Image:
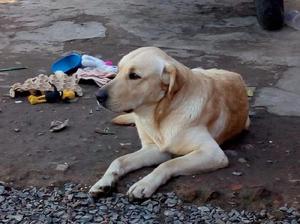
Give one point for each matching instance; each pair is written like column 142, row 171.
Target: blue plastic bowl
column 68, row 64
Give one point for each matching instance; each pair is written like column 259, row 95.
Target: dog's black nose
column 102, row 96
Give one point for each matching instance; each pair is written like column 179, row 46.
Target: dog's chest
column 161, row 136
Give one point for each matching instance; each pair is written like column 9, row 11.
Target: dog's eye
column 134, row 76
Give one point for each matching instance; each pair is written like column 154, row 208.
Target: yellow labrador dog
column 181, row 114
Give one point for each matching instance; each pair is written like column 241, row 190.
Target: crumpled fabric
column 42, row 83
column 100, row 77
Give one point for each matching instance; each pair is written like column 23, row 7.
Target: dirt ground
column 198, row 33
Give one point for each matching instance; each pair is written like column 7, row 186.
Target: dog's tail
column 124, row 119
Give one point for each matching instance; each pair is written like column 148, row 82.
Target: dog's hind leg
column 149, row 155
column 208, row 157
column 124, row 119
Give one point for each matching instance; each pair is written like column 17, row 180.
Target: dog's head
column 146, row 75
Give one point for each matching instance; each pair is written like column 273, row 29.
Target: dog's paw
column 140, row 190
column 101, row 189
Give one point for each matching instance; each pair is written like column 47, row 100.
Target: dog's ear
column 171, row 77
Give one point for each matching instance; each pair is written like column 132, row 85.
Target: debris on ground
column 250, row 91
column 11, row 69
column 44, row 83
column 17, row 130
column 70, row 204
column 18, row 101
column 236, row 173
column 242, row 160
column 57, row 126
column 125, row 144
column 62, row 167
column 105, row 131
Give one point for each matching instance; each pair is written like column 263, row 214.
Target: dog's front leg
column 147, row 156
column 208, row 157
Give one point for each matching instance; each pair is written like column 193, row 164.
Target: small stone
column 242, row 160
column 219, row 221
column 2, row 188
column 17, row 130
column 81, row 195
column 203, row 209
column 236, row 173
column 62, row 167
column 91, row 111
column 18, row 218
column 168, row 213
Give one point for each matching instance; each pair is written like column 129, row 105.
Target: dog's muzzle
column 102, row 96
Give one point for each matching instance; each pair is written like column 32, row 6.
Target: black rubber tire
column 270, row 14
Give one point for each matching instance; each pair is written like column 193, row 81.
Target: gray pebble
column 2, row 188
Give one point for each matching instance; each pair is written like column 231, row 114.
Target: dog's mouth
column 128, row 111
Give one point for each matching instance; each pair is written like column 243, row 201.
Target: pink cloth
column 99, row 77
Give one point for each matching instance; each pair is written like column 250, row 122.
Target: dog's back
column 228, row 100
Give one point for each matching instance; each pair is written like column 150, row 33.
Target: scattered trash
column 270, row 142
column 57, row 126
column 62, row 167
column 44, row 83
column 98, row 76
column 52, row 96
column 17, row 130
column 250, row 91
column 68, row 64
column 292, row 19
column 104, row 131
column 11, row 69
column 93, row 62
column 18, row 101
column 236, row 173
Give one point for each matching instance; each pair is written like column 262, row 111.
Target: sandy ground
column 222, row 34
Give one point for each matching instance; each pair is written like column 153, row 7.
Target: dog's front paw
column 140, row 190
column 101, row 189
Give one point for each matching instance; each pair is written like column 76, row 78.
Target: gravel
column 71, row 204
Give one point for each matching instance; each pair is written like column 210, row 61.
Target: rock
column 81, row 195
column 2, row 199
column 17, row 130
column 86, row 218
column 203, row 209
column 2, row 189
column 242, row 160
column 18, row 218
column 62, row 167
